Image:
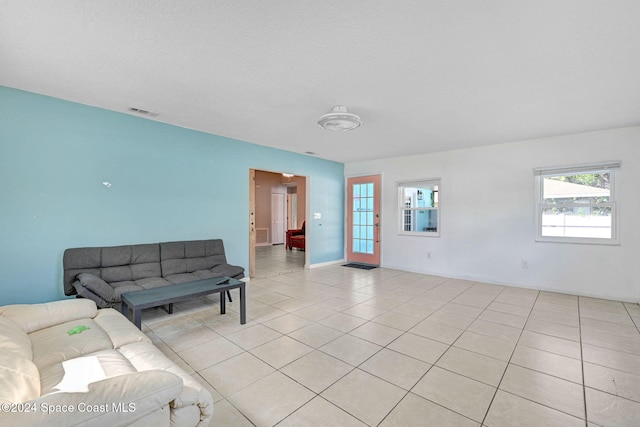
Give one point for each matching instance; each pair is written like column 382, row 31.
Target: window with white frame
column 419, row 207
column 577, row 204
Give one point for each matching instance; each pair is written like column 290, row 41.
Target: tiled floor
column 337, row 346
column 274, row 260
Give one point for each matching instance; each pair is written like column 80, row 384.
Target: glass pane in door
column 362, row 215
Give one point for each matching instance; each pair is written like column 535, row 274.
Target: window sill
column 419, row 233
column 578, row 241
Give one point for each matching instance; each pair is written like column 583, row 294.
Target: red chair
column 296, row 238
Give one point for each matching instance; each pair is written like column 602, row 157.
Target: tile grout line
column 432, row 365
column 350, row 371
column 443, row 353
column 510, row 357
column 584, row 386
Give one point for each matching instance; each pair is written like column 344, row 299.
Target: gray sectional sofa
column 103, row 274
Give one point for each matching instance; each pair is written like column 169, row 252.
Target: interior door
column 278, row 211
column 363, row 219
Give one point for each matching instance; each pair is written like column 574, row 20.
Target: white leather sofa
column 66, row 363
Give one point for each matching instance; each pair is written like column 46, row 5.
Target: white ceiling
column 424, row 75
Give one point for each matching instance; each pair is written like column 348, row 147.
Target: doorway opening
column 277, row 205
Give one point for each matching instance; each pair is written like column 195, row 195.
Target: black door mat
column 360, row 266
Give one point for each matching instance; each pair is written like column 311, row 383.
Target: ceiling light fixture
column 287, row 175
column 339, row 120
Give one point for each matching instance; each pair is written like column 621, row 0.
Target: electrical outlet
column 525, row 264
column 428, row 255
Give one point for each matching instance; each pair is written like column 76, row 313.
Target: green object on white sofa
column 109, row 374
column 77, row 330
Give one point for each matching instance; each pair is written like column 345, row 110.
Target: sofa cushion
column 19, row 378
column 113, row 256
column 171, row 267
column 74, row 375
column 145, row 270
column 204, row 274
column 171, row 250
column 32, row 317
column 13, row 339
column 122, row 287
column 119, row 328
column 182, row 278
column 152, row 282
column 97, row 286
column 117, row 274
column 195, row 264
column 190, row 256
column 213, row 260
column 144, row 253
column 54, row 345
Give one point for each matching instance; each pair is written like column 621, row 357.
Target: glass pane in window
column 356, row 232
column 421, row 196
column 577, row 221
column 581, row 188
column 406, row 220
column 420, row 220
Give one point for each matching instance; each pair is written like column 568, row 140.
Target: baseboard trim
column 325, row 264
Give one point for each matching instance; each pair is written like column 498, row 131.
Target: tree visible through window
column 577, row 204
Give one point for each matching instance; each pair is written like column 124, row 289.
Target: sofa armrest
column 33, row 317
column 295, row 232
column 115, row 401
column 144, row 356
column 96, row 285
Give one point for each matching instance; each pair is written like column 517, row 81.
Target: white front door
column 278, row 210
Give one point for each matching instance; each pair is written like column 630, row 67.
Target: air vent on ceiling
column 143, row 112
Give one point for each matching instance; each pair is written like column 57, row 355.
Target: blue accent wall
column 168, row 183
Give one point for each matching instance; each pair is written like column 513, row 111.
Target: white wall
column 488, row 216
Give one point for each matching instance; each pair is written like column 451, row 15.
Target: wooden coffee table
column 167, row 295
